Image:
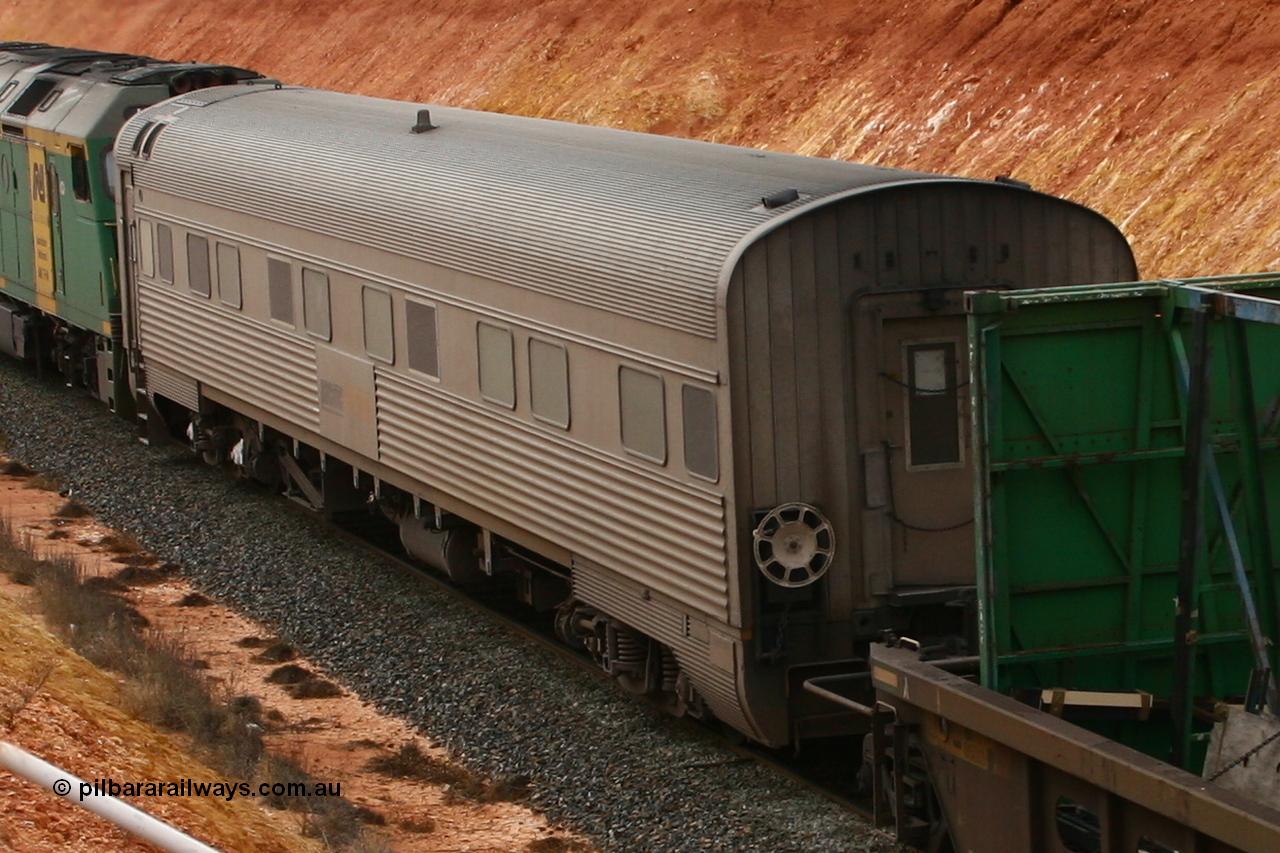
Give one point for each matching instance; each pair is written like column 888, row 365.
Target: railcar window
column 933, row 414
column 642, row 402
column 424, row 353
column 497, row 364
column 164, row 253
column 549, row 382
column 79, row 174
column 379, row 341
column 198, row 264
column 146, row 248
column 315, row 303
column 280, row 290
column 698, row 412
column 229, row 288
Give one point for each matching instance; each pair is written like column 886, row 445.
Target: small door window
column 549, row 382
column 643, row 411
column 164, row 253
column 698, row 413
column 280, row 290
column 420, row 323
column 229, row 287
column 378, row 340
column 198, row 265
column 497, row 364
column 315, row 303
column 933, row 411
column 146, row 248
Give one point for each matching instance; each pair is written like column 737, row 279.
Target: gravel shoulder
column 596, row 761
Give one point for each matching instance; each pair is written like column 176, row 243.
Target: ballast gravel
column 597, row 761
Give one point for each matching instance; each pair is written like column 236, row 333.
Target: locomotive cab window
column 229, row 287
column 164, row 253
column 933, row 406
column 280, row 290
column 80, row 174
column 378, row 340
column 315, row 303
column 549, row 382
column 34, row 94
column 643, row 412
column 497, row 364
column 698, row 413
column 420, row 323
column 198, row 265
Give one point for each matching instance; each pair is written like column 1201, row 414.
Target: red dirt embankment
column 1160, row 114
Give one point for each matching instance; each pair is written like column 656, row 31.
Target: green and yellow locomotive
column 60, row 110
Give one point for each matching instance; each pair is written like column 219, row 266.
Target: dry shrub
column 120, row 543
column 277, row 652
column 421, row 825
column 314, row 688
column 45, row 482
column 16, row 469
column 410, row 762
column 289, row 674
column 72, row 508
column 194, row 599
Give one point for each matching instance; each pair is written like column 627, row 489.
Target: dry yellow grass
column 77, row 720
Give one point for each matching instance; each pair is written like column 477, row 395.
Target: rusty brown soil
column 76, row 719
column 1160, row 114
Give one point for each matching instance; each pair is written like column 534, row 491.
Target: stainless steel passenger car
column 705, row 400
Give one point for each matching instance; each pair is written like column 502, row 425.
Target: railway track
column 369, row 533
column 600, row 763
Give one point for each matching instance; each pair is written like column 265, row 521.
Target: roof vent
column 424, row 122
column 780, row 198
column 1012, row 181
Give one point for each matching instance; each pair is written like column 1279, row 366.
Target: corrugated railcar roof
column 641, row 225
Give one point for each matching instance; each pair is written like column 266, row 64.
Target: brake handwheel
column 794, row 545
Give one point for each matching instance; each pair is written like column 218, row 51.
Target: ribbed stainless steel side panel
column 635, row 224
column 172, row 385
column 718, row 686
column 256, row 363
column 665, row 535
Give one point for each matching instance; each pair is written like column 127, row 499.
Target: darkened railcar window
column 280, row 290
column 424, row 351
column 549, row 382
column 643, row 410
column 379, row 341
column 315, row 303
column 698, row 413
column 230, row 290
column 497, row 364
column 933, row 413
column 198, row 265
column 164, row 253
